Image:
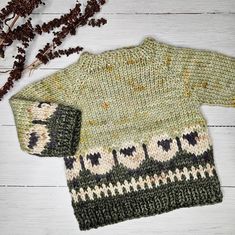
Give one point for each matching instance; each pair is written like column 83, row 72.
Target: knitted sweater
column 128, row 125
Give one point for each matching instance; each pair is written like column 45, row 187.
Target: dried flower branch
column 21, row 8
column 69, row 22
column 25, row 33
column 14, row 9
column 16, row 72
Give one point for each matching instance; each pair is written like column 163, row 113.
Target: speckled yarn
column 128, row 125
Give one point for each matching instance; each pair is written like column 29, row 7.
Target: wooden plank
column 216, row 34
column 150, row 6
column 19, row 168
column 218, row 116
column 49, row 211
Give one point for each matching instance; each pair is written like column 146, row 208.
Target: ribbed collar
column 145, row 50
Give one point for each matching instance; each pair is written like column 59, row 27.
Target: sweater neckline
column 144, row 50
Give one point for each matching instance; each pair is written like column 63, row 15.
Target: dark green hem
column 165, row 198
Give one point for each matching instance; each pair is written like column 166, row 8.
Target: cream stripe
column 146, row 183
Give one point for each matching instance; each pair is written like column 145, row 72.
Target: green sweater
column 128, row 125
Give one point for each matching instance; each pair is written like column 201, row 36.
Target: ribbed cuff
column 64, row 130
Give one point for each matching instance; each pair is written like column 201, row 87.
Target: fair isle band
column 142, row 183
column 131, row 155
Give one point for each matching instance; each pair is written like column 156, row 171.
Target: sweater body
column 144, row 145
column 131, row 132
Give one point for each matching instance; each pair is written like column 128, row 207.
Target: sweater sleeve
column 209, row 76
column 47, row 125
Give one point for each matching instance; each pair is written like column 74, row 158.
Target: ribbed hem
column 110, row 210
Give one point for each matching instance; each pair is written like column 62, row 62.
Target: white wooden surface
column 34, row 198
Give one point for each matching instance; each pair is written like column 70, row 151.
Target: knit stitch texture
column 127, row 123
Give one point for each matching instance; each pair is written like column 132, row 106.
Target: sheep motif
column 37, row 137
column 130, row 155
column 98, row 161
column 195, row 142
column 161, row 148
